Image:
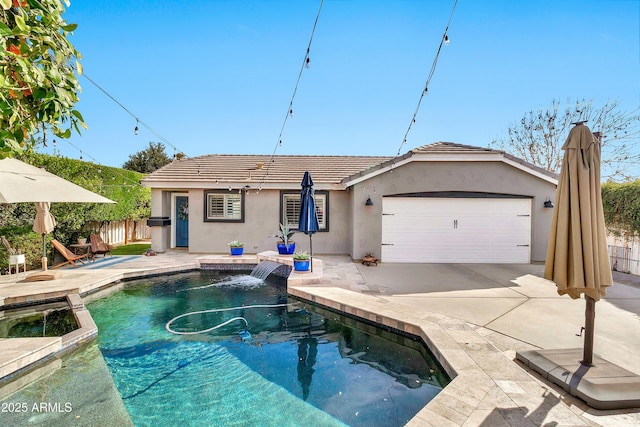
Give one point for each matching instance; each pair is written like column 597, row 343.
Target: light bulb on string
column 80, row 154
column 135, row 131
column 290, row 112
column 446, row 40
column 307, row 62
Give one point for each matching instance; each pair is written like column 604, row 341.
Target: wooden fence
column 122, row 232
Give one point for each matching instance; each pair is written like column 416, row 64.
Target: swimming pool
column 294, row 365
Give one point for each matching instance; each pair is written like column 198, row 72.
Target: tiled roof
column 285, row 169
column 450, row 147
column 219, row 170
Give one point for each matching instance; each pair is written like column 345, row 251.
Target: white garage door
column 456, row 230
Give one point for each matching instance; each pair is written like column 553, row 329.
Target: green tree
column 38, row 82
column 149, row 159
column 538, row 137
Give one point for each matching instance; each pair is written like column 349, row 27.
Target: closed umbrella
column 308, row 222
column 44, row 224
column 577, row 257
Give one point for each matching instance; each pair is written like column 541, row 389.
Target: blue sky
column 217, row 76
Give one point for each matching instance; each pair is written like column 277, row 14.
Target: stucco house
column 441, row 202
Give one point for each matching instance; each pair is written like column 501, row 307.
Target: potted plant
column 301, row 261
column 369, row 258
column 236, row 247
column 285, row 245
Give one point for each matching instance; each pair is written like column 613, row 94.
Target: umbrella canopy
column 577, row 257
column 308, row 221
column 21, row 182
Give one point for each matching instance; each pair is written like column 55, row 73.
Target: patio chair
column 15, row 257
column 98, row 246
column 70, row 257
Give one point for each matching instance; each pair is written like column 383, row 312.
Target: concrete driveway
column 514, row 300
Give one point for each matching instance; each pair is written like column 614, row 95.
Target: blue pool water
column 292, row 365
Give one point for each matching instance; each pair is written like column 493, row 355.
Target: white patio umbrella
column 23, row 183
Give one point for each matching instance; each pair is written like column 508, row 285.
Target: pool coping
column 484, row 379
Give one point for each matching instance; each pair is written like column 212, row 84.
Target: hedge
column 133, row 202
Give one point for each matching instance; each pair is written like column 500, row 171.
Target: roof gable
column 449, row 151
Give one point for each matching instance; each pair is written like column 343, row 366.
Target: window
column 290, row 208
column 223, row 206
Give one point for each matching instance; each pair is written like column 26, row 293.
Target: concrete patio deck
column 475, row 317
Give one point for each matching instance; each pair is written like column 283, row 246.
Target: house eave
column 173, row 185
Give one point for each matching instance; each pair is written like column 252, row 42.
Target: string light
column 135, row 131
column 306, row 63
column 138, row 121
column 93, row 159
column 443, row 41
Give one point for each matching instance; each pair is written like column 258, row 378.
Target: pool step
column 75, row 302
column 18, row 353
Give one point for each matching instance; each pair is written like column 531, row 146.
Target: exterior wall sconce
column 548, row 203
column 368, row 202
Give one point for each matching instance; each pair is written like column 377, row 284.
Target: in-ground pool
column 288, row 365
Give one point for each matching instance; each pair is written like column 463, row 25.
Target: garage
column 479, row 229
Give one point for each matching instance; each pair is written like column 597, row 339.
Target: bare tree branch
column 539, row 136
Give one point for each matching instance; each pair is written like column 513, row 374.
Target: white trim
column 377, row 172
column 531, row 171
column 235, row 186
column 173, row 216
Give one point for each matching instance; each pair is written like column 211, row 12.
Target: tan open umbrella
column 577, row 258
column 44, row 224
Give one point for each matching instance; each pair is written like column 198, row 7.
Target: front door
column 182, row 221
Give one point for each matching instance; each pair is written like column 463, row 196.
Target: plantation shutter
column 292, row 210
column 233, row 206
column 224, row 206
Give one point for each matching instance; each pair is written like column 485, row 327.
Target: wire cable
column 305, row 64
column 114, row 169
column 138, row 120
column 443, row 40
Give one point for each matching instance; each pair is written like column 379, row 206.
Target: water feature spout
column 262, row 270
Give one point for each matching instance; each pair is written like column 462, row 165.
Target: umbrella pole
column 590, row 316
column 311, row 250
column 44, row 252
